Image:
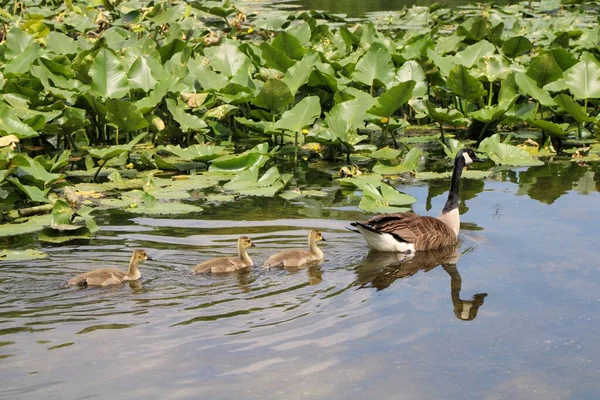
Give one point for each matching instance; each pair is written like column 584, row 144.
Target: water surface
column 512, row 313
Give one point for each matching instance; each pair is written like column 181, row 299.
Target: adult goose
column 221, row 265
column 112, row 276
column 297, row 257
column 408, row 232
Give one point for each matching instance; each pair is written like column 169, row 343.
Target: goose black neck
column 452, row 201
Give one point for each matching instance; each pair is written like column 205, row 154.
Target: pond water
column 361, row 8
column 512, row 313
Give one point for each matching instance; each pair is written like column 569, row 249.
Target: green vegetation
column 129, row 105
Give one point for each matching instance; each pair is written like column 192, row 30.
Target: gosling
column 298, row 258
column 222, row 265
column 112, row 276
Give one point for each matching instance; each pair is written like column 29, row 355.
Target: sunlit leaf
column 375, row 65
column 303, row 114
column 109, row 79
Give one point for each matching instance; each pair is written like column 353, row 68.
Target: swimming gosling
column 408, row 232
column 112, row 276
column 298, row 258
column 228, row 264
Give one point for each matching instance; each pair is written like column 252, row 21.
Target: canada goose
column 409, row 232
column 296, row 257
column 112, row 276
column 228, row 264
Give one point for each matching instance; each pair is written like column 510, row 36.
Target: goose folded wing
column 424, row 232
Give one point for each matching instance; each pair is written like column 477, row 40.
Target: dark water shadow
column 380, row 270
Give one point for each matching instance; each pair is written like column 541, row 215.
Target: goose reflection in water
column 380, row 270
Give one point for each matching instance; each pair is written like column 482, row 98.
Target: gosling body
column 228, row 264
column 296, row 257
column 112, row 276
column 409, row 232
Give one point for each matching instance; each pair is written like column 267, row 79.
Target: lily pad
column 21, row 255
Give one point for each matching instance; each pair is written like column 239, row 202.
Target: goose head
column 315, row 236
column 244, row 242
column 468, row 156
column 139, row 255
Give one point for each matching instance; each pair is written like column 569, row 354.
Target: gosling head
column 139, row 255
column 469, row 156
column 245, row 242
column 317, row 236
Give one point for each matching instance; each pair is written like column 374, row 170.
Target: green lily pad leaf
column 248, row 183
column 24, row 226
column 34, row 193
column 20, row 64
column 21, row 255
column 361, row 180
column 465, row 85
column 226, row 58
column 114, row 151
column 544, row 69
column 452, row 147
column 125, row 115
column 573, row 108
column 530, row 87
column 583, row 79
column 109, row 79
column 303, row 114
column 493, row 113
column 495, row 68
column 59, row 43
column 506, row 154
column 299, row 74
column 34, row 171
column 140, row 75
column 469, row 56
column 275, row 58
column 63, row 216
column 467, row 174
column 255, row 157
column 516, row 46
column 296, row 193
column 412, row 71
column 144, row 203
column 16, row 42
column 420, row 139
column 186, row 121
column 58, row 237
column 382, row 202
column 386, row 153
column 444, row 115
column 197, row 152
column 290, row 45
column 552, row 129
column 10, row 124
column 393, row 99
column 410, row 162
column 444, row 64
column 375, row 65
column 275, row 95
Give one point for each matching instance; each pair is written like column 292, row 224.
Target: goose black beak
column 252, row 245
column 478, row 160
column 323, row 239
column 149, row 258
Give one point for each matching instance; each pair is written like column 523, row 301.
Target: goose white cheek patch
column 468, row 159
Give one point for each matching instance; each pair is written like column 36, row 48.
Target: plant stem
column 490, row 95
column 98, row 171
column 296, row 148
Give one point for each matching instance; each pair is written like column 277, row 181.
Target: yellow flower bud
column 384, row 120
column 305, row 131
column 250, row 30
column 129, row 166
